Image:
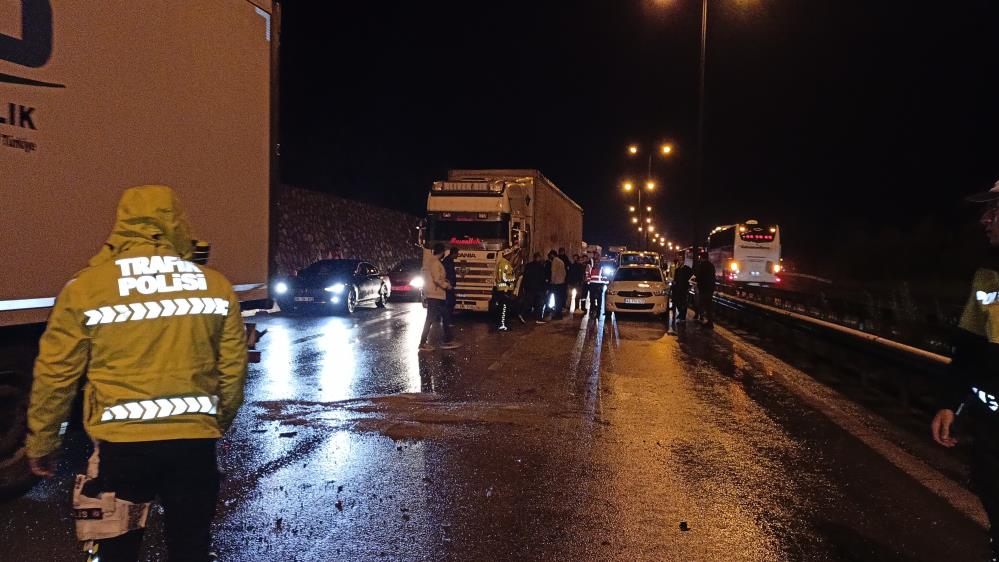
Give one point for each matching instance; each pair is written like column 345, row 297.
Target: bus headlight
column 336, row 288
column 417, row 282
column 281, row 288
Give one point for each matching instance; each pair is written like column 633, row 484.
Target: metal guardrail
column 850, row 332
column 920, row 327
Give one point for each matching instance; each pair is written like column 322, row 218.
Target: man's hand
column 940, row 427
column 44, row 467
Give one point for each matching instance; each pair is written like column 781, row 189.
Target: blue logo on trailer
column 34, row 48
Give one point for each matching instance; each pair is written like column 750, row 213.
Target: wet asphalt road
column 585, row 439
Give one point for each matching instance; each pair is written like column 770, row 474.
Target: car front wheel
column 351, row 302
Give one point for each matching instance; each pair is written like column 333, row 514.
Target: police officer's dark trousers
column 183, row 473
column 984, row 428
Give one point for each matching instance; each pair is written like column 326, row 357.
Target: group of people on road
column 547, row 285
column 702, row 277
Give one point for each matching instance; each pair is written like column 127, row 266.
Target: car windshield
column 639, row 259
column 639, row 274
column 326, row 268
column 407, row 266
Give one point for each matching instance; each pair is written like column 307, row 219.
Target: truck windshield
column 456, row 231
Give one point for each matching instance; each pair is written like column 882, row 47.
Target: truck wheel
column 382, row 299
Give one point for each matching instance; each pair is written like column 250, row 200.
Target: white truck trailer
column 489, row 214
column 96, row 97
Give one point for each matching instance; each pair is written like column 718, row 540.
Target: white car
column 637, row 288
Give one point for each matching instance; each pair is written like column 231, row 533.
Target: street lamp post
column 700, row 122
column 650, row 184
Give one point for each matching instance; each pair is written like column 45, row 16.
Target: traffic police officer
column 974, row 385
column 504, row 290
column 163, row 347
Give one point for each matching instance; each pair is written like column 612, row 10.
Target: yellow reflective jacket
column 504, row 275
column 160, row 339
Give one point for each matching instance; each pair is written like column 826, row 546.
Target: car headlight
column 336, row 288
column 607, row 271
column 281, row 288
column 417, row 282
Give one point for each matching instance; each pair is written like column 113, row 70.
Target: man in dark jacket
column 679, row 292
column 576, row 280
column 704, row 275
column 534, row 289
column 973, row 387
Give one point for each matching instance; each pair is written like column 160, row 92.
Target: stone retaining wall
column 311, row 223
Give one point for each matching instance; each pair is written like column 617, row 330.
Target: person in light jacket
column 435, row 291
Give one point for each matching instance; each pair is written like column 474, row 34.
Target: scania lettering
column 488, row 214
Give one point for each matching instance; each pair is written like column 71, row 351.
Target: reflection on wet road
column 586, row 439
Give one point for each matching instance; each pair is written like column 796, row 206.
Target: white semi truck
column 96, row 97
column 488, row 214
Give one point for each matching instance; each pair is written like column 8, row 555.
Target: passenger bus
column 747, row 252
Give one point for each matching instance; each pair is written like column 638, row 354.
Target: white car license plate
column 634, row 301
column 304, row 299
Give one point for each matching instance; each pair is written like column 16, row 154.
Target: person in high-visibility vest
column 163, row 347
column 972, row 390
column 505, row 280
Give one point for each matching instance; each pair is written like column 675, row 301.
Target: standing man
column 566, row 262
column 679, row 291
column 435, row 290
column 503, row 292
column 973, row 386
column 451, row 272
column 704, row 274
column 595, row 290
column 558, row 274
column 533, row 289
column 163, row 347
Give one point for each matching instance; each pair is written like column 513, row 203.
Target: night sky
column 855, row 125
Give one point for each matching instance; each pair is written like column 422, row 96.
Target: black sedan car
column 338, row 285
column 407, row 279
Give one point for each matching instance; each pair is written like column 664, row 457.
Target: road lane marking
column 847, row 415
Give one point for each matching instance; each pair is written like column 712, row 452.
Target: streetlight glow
column 628, row 186
column 666, row 148
column 650, row 185
column 631, row 209
column 633, row 149
column 649, row 208
column 634, row 220
column 648, row 219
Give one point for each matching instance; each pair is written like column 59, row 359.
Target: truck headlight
column 417, row 282
column 336, row 288
column 281, row 288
